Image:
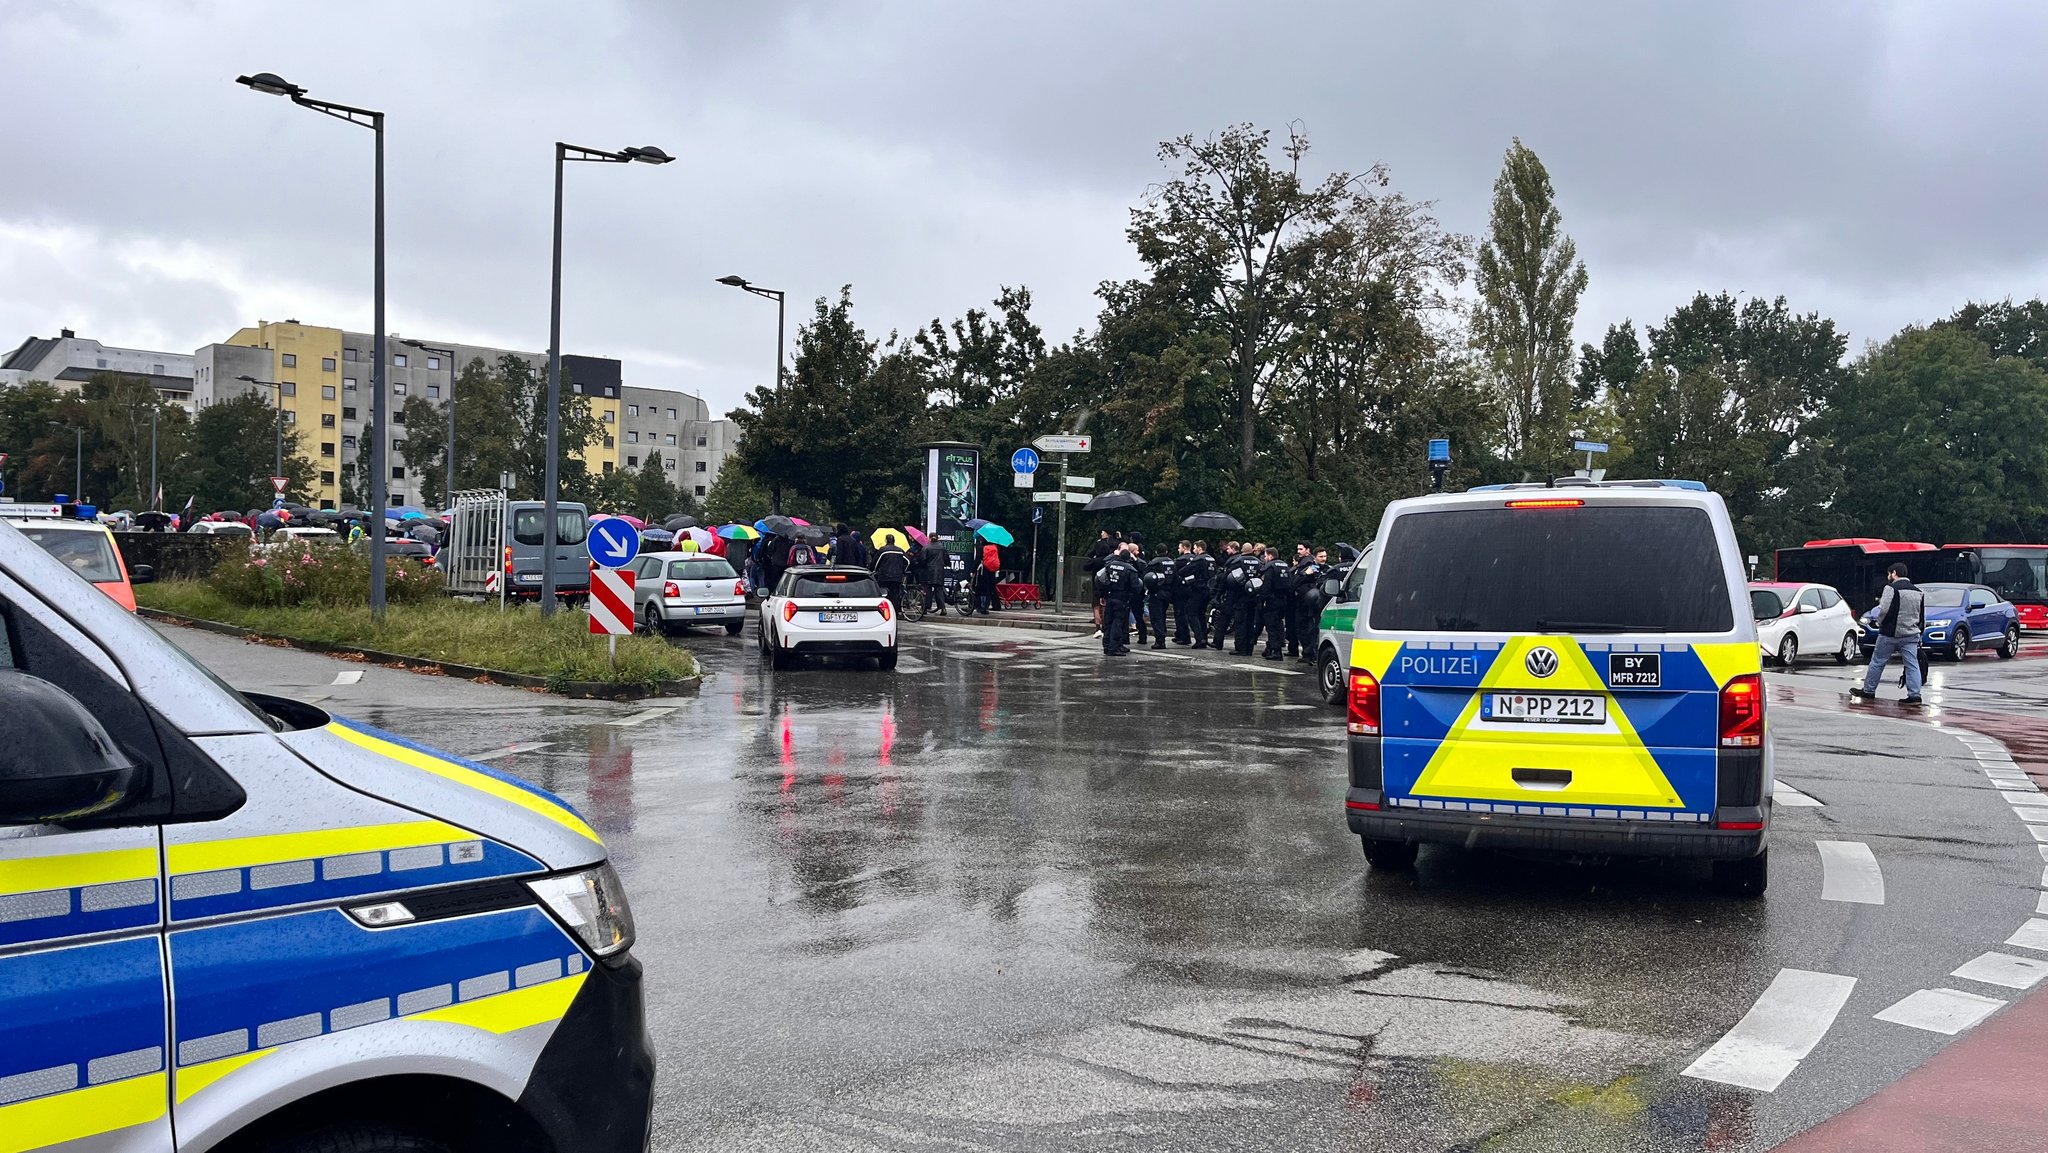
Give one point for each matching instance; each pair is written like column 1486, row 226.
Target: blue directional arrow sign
column 1024, row 460
column 614, row 542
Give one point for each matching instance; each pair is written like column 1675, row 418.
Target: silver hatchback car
column 679, row 590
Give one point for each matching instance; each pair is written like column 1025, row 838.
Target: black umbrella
column 679, row 522
column 1114, row 499
column 269, row 520
column 779, row 525
column 425, row 532
column 809, row 533
column 324, row 516
column 1213, row 520
column 152, row 520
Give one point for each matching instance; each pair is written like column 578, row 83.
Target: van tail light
column 739, row 588
column 1362, row 704
column 1742, row 712
column 788, row 610
column 508, row 560
column 884, row 609
column 670, row 589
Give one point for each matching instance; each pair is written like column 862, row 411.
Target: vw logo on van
column 1541, row 662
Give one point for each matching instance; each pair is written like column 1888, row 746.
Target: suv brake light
column 1742, row 712
column 671, row 589
column 1362, row 704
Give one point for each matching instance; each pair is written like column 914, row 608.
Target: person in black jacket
column 1225, row 592
column 1251, row 599
column 934, row 561
column 1305, row 609
column 1276, row 601
column 1159, row 594
column 1117, row 583
column 892, row 568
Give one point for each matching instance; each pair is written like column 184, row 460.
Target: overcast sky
column 1877, row 162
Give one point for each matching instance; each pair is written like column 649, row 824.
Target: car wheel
column 1330, row 676
column 1788, row 651
column 1960, row 647
column 1849, row 651
column 654, row 626
column 761, row 639
column 1392, row 856
column 2010, row 646
column 1745, row 878
column 886, row 661
column 734, row 628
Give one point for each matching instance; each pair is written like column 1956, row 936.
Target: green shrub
column 325, row 574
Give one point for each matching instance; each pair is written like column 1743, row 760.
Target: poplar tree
column 1529, row 280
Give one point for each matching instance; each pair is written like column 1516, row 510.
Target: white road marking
column 348, row 676
column 963, row 655
column 2037, row 815
column 2003, row 969
column 2041, row 906
column 2044, row 876
column 1778, row 1031
column 642, row 717
column 511, row 750
column 2040, row 834
column 1947, row 1011
column 2035, row 798
column 2032, row 935
column 1791, row 798
column 1849, row 873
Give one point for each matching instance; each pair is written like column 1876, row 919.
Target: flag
column 158, row 502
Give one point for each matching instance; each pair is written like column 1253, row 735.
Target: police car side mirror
column 58, row 763
column 141, row 574
column 1334, row 589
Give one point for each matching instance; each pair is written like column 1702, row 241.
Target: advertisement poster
column 952, row 489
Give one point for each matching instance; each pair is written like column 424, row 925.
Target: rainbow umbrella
column 739, row 532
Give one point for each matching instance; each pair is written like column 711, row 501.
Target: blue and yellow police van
column 238, row 923
column 1569, row 667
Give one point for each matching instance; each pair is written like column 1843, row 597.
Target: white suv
column 827, row 610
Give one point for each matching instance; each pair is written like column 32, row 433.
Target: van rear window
column 834, row 586
column 1598, row 568
column 529, row 524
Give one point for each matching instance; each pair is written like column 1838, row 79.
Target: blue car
column 1960, row 618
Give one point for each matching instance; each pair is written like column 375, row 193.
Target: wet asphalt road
column 1017, row 895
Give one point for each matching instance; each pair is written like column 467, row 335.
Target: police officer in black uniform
column 1307, row 609
column 1225, row 593
column 1276, row 602
column 1158, row 578
column 1251, row 599
column 1192, row 575
column 1118, row 583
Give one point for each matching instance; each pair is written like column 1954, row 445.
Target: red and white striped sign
column 611, row 601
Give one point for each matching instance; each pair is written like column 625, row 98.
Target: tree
column 1940, row 440
column 654, row 497
column 233, row 447
column 1231, row 235
column 525, row 396
column 1529, row 281
column 1610, row 368
column 118, row 411
column 39, row 456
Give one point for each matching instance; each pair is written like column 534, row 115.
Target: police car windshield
column 86, row 552
column 1598, row 568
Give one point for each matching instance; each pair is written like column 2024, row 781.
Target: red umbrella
column 917, row 535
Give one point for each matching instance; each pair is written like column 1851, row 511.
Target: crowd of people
column 1244, row 591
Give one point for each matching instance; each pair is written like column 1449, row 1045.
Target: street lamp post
column 563, row 154
column 77, row 460
column 448, row 486
column 775, row 294
column 274, row 85
column 277, row 465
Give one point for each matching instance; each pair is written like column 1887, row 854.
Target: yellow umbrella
column 886, row 536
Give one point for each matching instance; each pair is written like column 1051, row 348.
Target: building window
column 632, row 462
column 327, row 478
column 632, row 436
column 398, row 359
column 607, row 466
column 102, row 362
column 326, row 392
column 326, row 420
column 289, row 388
column 698, row 467
column 700, row 490
column 671, row 438
column 608, row 443
column 671, row 414
column 605, row 416
column 433, row 391
column 632, row 410
column 350, row 354
column 291, row 417
column 291, row 359
column 348, row 414
column 398, row 387
column 700, row 441
column 349, row 443
column 398, row 416
column 156, row 369
column 669, row 465
column 326, row 364
column 434, row 362
column 326, row 448
column 348, row 384
column 397, row 472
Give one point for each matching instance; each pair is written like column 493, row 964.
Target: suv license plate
column 1544, row 708
column 842, row 617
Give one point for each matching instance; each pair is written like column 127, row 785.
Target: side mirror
column 58, row 763
column 1333, row 587
column 1806, row 610
column 141, row 574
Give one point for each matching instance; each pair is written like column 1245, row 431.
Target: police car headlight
column 592, row 904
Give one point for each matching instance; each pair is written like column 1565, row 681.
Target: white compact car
column 827, row 610
column 676, row 590
column 1802, row 620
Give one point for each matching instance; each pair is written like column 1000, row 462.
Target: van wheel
column 2009, row 647
column 1330, row 676
column 357, row 1139
column 1392, row 856
column 1788, row 652
column 1745, row 878
column 734, row 628
column 1849, row 651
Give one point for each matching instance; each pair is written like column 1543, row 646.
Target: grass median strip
column 516, row 640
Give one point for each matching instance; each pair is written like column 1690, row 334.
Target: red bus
column 1855, row 566
column 2018, row 571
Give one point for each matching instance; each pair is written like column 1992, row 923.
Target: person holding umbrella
column 892, row 565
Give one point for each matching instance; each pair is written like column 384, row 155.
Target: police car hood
column 449, row 788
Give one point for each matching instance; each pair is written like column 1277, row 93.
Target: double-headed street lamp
column 274, row 85
column 277, row 468
column 448, row 488
column 563, row 154
column 775, row 294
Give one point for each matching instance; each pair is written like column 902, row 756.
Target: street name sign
column 1055, row 443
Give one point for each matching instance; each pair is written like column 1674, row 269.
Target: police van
column 1569, row 667
column 235, row 922
column 1337, row 624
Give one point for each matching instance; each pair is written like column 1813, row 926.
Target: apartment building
column 677, row 425
column 68, row 360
